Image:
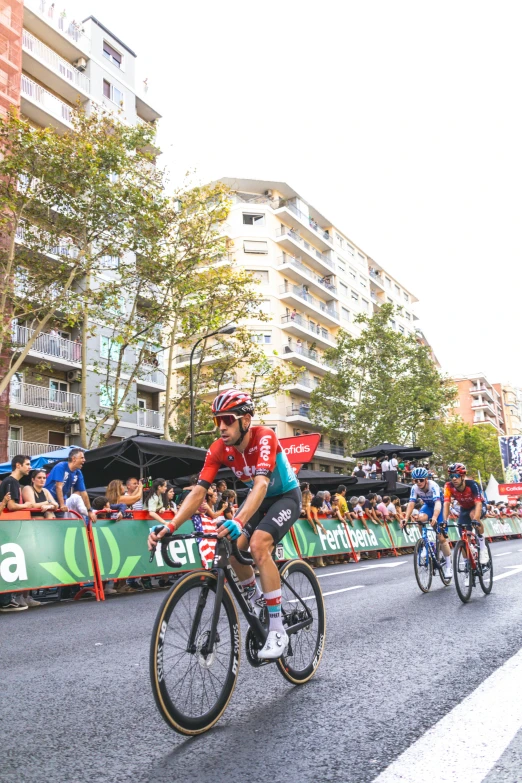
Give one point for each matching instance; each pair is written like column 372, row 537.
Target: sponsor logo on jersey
column 282, row 517
column 264, row 448
column 230, row 458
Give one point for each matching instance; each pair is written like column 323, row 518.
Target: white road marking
column 513, row 570
column 497, row 703
column 363, row 568
column 331, row 592
column 503, row 554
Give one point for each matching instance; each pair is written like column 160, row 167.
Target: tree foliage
column 386, row 385
column 453, row 440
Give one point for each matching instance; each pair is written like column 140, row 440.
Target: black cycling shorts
column 276, row 515
column 465, row 521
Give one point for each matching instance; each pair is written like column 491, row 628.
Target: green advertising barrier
column 502, row 526
column 339, row 538
column 121, row 549
column 493, row 527
column 43, row 553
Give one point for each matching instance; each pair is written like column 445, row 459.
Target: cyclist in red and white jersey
column 269, row 511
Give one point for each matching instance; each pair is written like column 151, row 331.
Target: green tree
column 453, row 440
column 67, row 201
column 385, row 385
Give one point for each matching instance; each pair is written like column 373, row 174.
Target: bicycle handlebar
column 242, row 557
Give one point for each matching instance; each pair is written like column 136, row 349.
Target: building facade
column 480, row 402
column 65, row 62
column 313, row 280
column 512, row 400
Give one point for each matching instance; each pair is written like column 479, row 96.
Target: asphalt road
column 76, row 703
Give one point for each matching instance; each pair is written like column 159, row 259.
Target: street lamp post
column 224, row 330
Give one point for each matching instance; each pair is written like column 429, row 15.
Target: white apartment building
column 314, row 280
column 65, row 62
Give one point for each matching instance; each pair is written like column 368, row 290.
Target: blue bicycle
column 427, row 558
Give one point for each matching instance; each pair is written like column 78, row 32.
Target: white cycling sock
column 482, row 541
column 251, row 582
column 273, row 602
column 448, row 559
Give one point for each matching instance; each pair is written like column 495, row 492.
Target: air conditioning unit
column 73, row 428
column 80, row 63
column 73, row 375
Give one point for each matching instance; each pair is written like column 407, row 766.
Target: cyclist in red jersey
column 269, row 511
column 468, row 495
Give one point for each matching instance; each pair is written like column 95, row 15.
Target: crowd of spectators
column 62, row 494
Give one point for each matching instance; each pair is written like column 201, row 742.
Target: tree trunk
column 83, row 385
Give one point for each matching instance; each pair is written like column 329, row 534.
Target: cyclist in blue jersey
column 430, row 494
column 269, row 511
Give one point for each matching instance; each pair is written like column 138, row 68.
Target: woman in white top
column 157, row 500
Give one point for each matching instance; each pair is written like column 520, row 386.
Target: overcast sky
column 400, row 121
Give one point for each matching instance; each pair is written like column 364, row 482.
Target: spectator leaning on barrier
column 134, row 494
column 156, row 502
column 67, row 477
column 340, row 492
column 5, row 500
column 75, row 503
column 43, row 503
column 382, row 508
column 169, row 497
column 369, row 508
column 21, row 466
column 118, row 496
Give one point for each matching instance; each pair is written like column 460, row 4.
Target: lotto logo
column 264, row 450
column 282, row 517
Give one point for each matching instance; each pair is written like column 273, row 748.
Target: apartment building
column 480, row 402
column 512, row 400
column 314, row 280
column 65, row 61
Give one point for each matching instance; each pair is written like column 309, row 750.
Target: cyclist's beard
column 242, row 433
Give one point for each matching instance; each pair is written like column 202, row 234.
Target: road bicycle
column 195, row 646
column 467, row 566
column 428, row 559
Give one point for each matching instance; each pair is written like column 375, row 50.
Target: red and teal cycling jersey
column 264, row 456
column 467, row 497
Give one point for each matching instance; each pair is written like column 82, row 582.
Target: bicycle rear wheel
column 462, row 572
column 485, row 573
column 301, row 593
column 422, row 565
column 192, row 685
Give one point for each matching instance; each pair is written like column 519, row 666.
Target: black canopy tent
column 143, row 456
column 330, row 481
column 386, row 448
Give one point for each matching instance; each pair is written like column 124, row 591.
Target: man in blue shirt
column 66, row 478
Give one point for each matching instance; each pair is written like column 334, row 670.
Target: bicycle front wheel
column 485, row 573
column 422, row 565
column 462, row 572
column 192, row 684
column 301, row 597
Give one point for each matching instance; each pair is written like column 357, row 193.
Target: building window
column 253, row 220
column 262, row 339
column 339, row 240
column 343, row 289
column 350, row 249
column 397, row 290
column 401, row 329
column 112, row 55
column 389, row 300
column 408, row 316
column 112, row 93
column 252, row 246
column 362, row 281
column 406, row 297
column 353, row 274
column 341, row 265
column 56, row 438
column 109, row 348
column 16, row 433
column 345, row 314
column 338, row 471
column 142, row 404
column 393, row 324
column 259, row 274
column 355, row 297
column 365, row 305
column 387, row 282
column 107, row 396
column 265, row 307
column 324, row 468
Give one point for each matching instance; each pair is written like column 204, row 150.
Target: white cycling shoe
column 483, row 556
column 448, row 571
column 275, row 646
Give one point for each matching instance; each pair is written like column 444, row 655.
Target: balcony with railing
column 303, row 223
column 42, row 61
column 54, row 16
column 337, row 451
column 30, row 448
column 150, row 419
column 43, row 399
column 376, row 277
column 298, row 325
column 50, row 345
column 151, row 376
column 302, row 411
column 43, row 107
column 311, row 359
column 291, row 240
column 311, row 304
column 300, row 272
